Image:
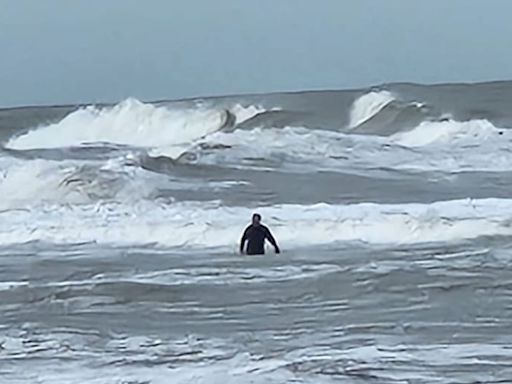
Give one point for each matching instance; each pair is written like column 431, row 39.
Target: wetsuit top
column 255, row 237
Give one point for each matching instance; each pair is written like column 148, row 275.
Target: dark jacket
column 255, row 237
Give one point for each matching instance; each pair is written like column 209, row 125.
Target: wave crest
column 211, row 225
column 130, row 122
column 448, row 132
column 369, row 105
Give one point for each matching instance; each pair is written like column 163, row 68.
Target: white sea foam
column 148, row 359
column 211, row 225
column 131, row 122
column 448, row 147
column 444, row 146
column 452, row 133
column 34, row 182
column 369, row 105
column 244, row 113
column 241, row 368
column 198, row 275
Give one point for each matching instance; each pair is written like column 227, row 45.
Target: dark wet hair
column 256, row 216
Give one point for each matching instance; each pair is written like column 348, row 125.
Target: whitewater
column 119, row 230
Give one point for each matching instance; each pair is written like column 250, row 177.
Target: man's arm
column 244, row 239
column 271, row 239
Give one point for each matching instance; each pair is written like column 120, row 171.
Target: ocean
column 120, row 227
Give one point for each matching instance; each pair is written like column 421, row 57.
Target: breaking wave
column 211, row 225
column 451, row 133
column 449, row 146
column 369, row 105
column 132, row 123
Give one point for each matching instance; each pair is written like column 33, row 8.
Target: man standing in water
column 255, row 236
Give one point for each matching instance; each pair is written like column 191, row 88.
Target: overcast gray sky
column 63, row 51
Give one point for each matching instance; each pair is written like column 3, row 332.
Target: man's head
column 256, row 219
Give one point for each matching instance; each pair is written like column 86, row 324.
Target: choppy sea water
column 119, row 230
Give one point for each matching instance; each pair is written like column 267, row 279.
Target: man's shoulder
column 260, row 227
